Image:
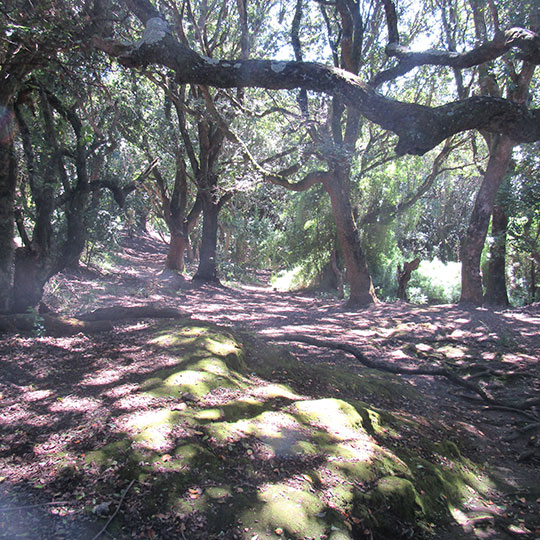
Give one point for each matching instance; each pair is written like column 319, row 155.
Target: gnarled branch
column 420, row 128
column 312, row 178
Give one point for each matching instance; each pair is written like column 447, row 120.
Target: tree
column 337, row 140
column 419, row 127
column 500, row 153
column 169, row 193
column 207, row 57
column 520, row 200
column 64, row 158
column 23, row 53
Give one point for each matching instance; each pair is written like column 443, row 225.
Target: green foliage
column 520, row 197
column 384, row 274
column 435, row 282
column 104, row 233
column 291, row 280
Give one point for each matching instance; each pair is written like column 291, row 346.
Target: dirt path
column 504, row 341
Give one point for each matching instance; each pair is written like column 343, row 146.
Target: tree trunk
column 77, row 229
column 8, row 181
column 207, row 270
column 141, row 220
column 473, row 243
column 496, row 292
column 30, row 276
column 532, row 284
column 357, row 273
column 404, row 276
column 175, row 255
column 190, row 251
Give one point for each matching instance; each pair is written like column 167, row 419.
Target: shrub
column 435, row 282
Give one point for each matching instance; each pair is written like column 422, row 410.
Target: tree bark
column 473, row 243
column 175, row 254
column 362, row 292
column 207, row 270
column 532, row 283
column 8, row 181
column 420, row 128
column 29, row 278
column 54, row 325
column 496, row 292
column 404, row 276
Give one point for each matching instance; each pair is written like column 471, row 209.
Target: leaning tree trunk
column 404, row 276
column 207, row 270
column 8, row 181
column 473, row 243
column 357, row 273
column 496, row 292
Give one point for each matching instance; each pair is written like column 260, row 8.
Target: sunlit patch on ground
column 263, row 433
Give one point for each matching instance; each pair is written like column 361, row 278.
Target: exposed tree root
column 99, row 320
column 530, row 427
column 54, row 325
column 486, row 398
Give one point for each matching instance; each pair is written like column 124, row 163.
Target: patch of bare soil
column 93, row 378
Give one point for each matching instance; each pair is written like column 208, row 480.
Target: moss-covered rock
column 267, row 458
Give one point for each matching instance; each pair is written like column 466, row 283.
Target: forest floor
column 502, row 346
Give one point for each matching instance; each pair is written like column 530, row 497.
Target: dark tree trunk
column 496, row 292
column 473, row 243
column 532, row 284
column 535, row 263
column 8, row 181
column 180, row 227
column 207, row 270
column 77, row 227
column 357, row 273
column 404, row 276
column 141, row 218
column 30, row 276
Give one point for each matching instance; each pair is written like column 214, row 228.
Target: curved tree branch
column 312, row 178
column 420, row 128
column 526, row 41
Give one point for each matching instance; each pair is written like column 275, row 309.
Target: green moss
column 282, row 507
column 396, row 496
column 348, row 458
column 337, row 417
column 449, row 449
column 194, row 455
column 108, row 453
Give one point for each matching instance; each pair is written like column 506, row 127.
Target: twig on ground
column 115, row 512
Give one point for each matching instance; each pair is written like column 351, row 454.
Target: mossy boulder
column 259, row 453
